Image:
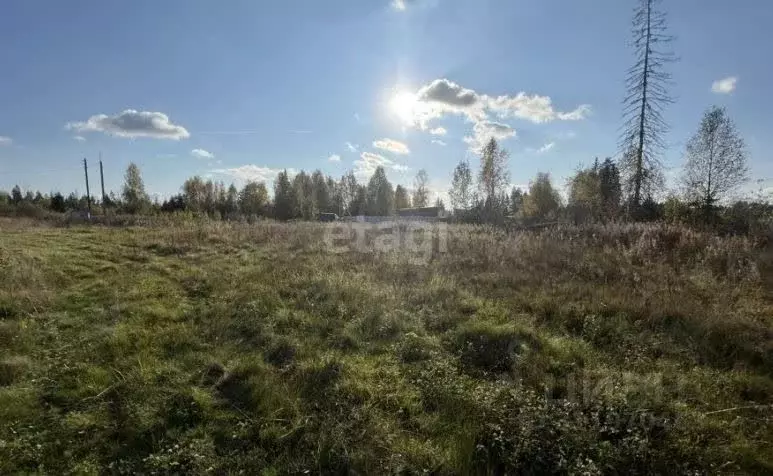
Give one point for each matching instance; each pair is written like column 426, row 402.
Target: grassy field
column 219, row 348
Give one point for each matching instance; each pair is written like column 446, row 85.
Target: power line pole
column 102, row 180
column 88, row 193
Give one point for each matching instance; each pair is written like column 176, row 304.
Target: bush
column 524, row 433
column 491, row 348
column 13, row 368
column 318, row 380
column 280, row 353
column 413, row 348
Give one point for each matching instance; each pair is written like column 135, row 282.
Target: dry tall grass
column 235, row 347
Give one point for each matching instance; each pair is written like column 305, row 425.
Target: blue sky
column 255, row 86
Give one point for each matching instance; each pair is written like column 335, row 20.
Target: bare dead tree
column 716, row 160
column 647, row 82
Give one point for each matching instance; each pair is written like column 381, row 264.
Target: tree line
column 483, row 198
column 301, row 196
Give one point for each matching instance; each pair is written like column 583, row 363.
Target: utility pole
column 102, row 180
column 88, row 193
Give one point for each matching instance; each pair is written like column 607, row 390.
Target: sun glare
column 403, row 105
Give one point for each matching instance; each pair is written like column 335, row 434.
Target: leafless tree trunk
column 646, row 96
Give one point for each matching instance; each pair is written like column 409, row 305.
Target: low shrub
column 13, row 368
column 491, row 348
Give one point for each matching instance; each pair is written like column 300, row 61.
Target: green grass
column 632, row 349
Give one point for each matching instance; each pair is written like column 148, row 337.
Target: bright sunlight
column 404, row 105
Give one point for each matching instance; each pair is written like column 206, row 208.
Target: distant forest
column 595, row 194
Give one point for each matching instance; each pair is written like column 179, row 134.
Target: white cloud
column 546, row 147
column 724, row 86
column 537, row 109
column 368, row 162
column 79, row 138
column 582, row 111
column 202, row 154
column 402, row 5
column 5, row 140
column 443, row 96
column 246, row 173
column 444, row 91
column 438, row 142
column 392, row 145
column 334, row 158
column 485, row 130
column 131, row 124
column 351, row 147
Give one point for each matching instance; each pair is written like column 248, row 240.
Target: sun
column 404, row 105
